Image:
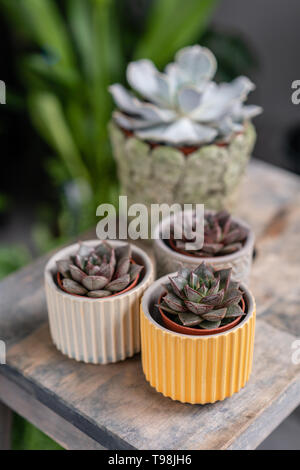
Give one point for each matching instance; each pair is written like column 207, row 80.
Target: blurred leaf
column 173, row 25
column 38, row 64
column 102, row 64
column 80, row 18
column 12, row 257
column 47, row 113
column 44, row 240
column 81, row 126
column 4, row 202
column 44, row 21
column 28, row 437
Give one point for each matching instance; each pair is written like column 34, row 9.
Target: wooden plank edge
column 101, row 435
column 268, row 420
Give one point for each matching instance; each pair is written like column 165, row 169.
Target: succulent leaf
column 119, row 284
column 194, row 280
column 165, row 307
column 234, row 311
column 77, row 274
column 214, row 289
column 175, row 303
column 210, row 325
column 231, row 297
column 234, row 236
column 178, row 284
column 123, row 251
column 224, row 275
column 197, row 63
column 233, row 248
column 94, row 282
column 184, row 272
column 122, row 267
column 213, row 299
column 63, row 267
column 134, row 271
column 212, row 248
column 84, row 250
column 204, row 271
column 204, row 294
column 197, row 308
column 73, row 287
column 215, row 315
column 192, row 294
column 189, row 319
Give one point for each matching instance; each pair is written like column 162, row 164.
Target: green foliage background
column 79, row 47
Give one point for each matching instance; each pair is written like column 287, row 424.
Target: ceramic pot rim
column 50, row 270
column 209, row 260
column 157, row 288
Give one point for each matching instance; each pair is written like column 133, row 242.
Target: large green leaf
column 48, row 116
column 173, row 24
column 80, row 19
column 100, row 99
column 38, row 66
column 44, row 22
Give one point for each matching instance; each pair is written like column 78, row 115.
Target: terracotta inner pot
column 173, row 326
column 131, row 286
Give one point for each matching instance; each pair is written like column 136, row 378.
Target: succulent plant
column 182, row 106
column 98, row 271
column 222, row 236
column 203, row 298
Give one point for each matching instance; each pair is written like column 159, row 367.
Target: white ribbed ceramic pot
column 98, row 331
column 169, row 260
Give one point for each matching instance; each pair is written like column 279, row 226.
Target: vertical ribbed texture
column 100, row 331
column 197, row 369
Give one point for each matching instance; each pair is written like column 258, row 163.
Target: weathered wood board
column 113, row 406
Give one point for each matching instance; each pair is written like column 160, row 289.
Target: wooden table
column 95, row 407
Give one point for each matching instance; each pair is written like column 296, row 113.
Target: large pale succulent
column 98, row 271
column 203, row 298
column 222, row 236
column 182, row 106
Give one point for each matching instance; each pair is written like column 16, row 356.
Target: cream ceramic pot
column 98, row 331
column 169, row 260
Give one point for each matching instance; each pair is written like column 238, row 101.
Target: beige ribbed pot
column 169, row 260
column 195, row 369
column 97, row 331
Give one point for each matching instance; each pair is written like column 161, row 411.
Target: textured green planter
column 211, row 175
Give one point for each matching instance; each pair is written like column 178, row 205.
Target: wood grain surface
column 113, row 406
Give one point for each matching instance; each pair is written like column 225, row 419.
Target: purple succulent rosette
column 99, row 271
column 203, row 298
column 222, row 236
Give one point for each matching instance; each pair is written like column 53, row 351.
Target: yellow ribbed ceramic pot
column 195, row 369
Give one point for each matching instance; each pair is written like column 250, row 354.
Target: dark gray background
column 272, row 29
